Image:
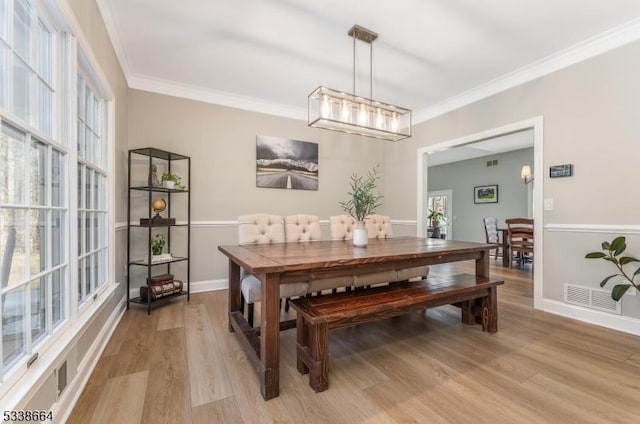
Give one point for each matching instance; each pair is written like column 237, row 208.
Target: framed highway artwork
column 286, row 163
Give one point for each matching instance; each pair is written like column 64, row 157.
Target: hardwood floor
column 181, row 365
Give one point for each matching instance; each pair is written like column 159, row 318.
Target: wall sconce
column 525, row 174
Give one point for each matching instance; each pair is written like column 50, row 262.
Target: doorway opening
column 535, row 124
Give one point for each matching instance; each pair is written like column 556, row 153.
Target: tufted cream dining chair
column 262, row 228
column 341, row 227
column 302, row 228
column 307, row 228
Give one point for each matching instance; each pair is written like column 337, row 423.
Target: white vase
column 360, row 235
column 169, row 184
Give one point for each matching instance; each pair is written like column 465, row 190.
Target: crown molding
column 601, row 43
column 109, row 22
column 191, row 92
column 579, row 52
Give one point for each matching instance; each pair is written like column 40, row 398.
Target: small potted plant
column 434, row 217
column 363, row 202
column 170, row 180
column 157, row 244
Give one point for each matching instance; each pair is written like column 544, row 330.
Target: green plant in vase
column 363, row 201
column 157, row 244
column 171, row 180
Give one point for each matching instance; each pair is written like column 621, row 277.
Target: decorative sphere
column 158, row 205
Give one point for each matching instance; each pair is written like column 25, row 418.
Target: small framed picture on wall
column 485, row 194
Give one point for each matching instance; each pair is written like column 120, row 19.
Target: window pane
column 80, row 279
column 22, row 28
column 38, row 309
column 57, row 173
column 80, row 139
column 95, row 230
column 57, row 236
column 38, row 241
column 96, row 191
column 12, row 243
column 21, row 89
column 57, row 297
column 44, row 52
column 13, row 326
column 12, row 165
column 103, row 266
column 45, row 101
column 88, row 183
column 87, row 276
column 87, row 231
column 97, row 152
column 88, row 140
column 38, row 171
column 4, row 9
column 80, row 191
column 80, row 232
column 4, row 83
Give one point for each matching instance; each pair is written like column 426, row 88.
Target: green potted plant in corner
column 170, row 180
column 611, row 252
column 363, row 201
column 434, row 217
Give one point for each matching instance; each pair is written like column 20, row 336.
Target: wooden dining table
column 275, row 264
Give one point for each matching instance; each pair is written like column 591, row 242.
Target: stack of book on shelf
column 160, row 286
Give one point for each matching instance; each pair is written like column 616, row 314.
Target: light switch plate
column 548, row 204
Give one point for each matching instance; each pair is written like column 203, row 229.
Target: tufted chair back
column 260, row 228
column 342, row 227
column 302, row 228
column 491, row 229
column 379, row 226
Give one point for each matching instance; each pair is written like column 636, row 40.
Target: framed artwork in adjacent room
column 485, row 194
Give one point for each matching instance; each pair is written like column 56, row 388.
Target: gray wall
column 461, row 177
column 590, row 120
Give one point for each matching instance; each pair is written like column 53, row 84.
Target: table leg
column 505, row 250
column 234, row 290
column 270, row 336
column 482, row 264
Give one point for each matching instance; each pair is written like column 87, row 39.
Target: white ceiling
column 268, row 55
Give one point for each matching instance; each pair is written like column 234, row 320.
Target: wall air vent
column 493, row 162
column 591, row 298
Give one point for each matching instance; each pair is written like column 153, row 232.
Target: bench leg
column 319, row 367
column 468, row 317
column 490, row 311
column 302, row 336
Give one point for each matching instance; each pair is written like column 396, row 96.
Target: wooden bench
column 317, row 315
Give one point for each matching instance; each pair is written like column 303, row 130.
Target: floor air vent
column 591, row 298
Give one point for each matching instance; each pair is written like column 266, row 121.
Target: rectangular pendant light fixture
column 346, row 112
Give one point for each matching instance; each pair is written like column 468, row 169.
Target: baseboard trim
column 591, row 316
column 62, row 409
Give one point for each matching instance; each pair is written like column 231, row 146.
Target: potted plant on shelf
column 170, row 180
column 611, row 252
column 157, row 245
column 364, row 200
column 434, row 217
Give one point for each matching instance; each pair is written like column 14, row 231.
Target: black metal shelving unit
column 157, row 157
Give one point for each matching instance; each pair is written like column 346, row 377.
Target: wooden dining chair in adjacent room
column 492, row 235
column 520, row 231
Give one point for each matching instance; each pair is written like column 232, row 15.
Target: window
column 50, row 268
column 92, row 193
